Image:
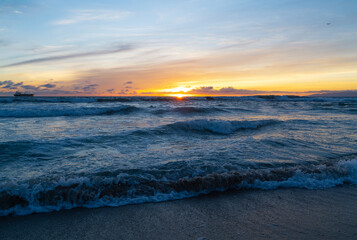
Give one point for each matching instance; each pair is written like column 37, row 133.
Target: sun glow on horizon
column 179, row 95
column 181, row 89
column 178, row 92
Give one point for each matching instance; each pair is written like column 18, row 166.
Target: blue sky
column 96, row 48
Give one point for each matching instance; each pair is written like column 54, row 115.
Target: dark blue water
column 65, row 152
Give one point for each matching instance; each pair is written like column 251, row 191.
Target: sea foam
column 67, row 193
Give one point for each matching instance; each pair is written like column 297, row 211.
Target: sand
column 274, row 214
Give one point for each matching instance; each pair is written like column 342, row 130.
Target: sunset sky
column 223, row 47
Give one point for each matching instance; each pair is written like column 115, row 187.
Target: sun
column 178, row 95
column 178, row 92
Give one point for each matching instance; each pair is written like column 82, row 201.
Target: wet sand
column 274, row 214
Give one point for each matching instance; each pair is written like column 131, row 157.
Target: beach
column 257, row 214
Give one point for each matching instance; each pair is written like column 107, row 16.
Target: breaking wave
column 189, row 110
column 138, row 187
column 220, row 126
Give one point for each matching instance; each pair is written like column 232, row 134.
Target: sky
column 187, row 47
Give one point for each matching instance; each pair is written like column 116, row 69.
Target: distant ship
column 20, row 94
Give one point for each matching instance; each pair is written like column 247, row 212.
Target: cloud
column 93, row 15
column 110, row 90
column 10, row 7
column 48, row 85
column 126, row 92
column 30, row 87
column 47, row 89
column 347, row 93
column 9, row 84
column 45, row 49
column 232, row 91
column 6, row 82
column 128, row 82
column 90, row 88
column 122, row 48
column 225, row 91
column 9, row 87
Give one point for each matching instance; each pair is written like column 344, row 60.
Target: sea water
column 66, row 152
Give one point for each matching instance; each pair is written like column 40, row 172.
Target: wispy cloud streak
column 92, row 15
column 69, row 56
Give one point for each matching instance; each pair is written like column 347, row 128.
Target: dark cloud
column 110, row 90
column 90, row 87
column 30, row 87
column 48, row 89
column 229, row 91
column 9, row 84
column 127, row 92
column 348, row 93
column 9, row 87
column 122, row 48
column 128, row 82
column 48, row 85
column 6, row 82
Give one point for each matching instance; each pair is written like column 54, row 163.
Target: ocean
column 67, row 152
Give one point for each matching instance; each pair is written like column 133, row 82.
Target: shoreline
column 254, row 214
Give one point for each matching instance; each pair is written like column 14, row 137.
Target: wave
column 115, row 99
column 138, row 188
column 189, row 110
column 219, row 126
column 56, row 112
